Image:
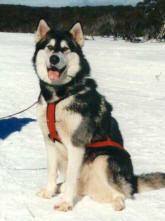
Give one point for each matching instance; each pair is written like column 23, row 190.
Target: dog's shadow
column 11, row 125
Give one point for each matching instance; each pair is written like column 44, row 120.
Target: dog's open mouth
column 54, row 73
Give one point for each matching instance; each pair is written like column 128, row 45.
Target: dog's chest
column 66, row 121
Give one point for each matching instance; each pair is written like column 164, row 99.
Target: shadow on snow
column 11, row 125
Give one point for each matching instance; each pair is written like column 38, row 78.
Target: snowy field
column 132, row 77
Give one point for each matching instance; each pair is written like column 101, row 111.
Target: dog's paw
column 118, row 204
column 43, row 193
column 64, row 207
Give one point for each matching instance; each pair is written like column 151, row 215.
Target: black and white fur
column 82, row 116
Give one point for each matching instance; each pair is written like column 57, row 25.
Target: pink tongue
column 53, row 75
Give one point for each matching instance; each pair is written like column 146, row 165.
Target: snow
column 64, row 3
column 132, row 77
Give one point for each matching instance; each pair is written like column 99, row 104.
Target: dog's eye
column 50, row 47
column 64, row 49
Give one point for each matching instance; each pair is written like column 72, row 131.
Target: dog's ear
column 42, row 29
column 77, row 33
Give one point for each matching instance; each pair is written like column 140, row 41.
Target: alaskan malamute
column 83, row 140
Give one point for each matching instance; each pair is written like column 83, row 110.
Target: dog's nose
column 54, row 59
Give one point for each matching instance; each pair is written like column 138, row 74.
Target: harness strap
column 105, row 143
column 54, row 135
column 51, row 122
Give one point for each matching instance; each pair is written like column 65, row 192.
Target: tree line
column 146, row 19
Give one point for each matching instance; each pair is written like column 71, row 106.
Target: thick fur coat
column 82, row 116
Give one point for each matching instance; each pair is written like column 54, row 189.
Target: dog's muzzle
column 57, row 61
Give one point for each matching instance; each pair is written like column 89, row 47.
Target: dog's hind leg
column 95, row 183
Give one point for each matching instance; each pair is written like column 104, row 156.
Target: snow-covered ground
column 132, row 77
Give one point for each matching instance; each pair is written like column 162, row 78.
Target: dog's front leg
column 75, row 159
column 52, row 163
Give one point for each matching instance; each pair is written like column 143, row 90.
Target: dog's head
column 58, row 53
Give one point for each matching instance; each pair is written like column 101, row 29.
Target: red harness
column 54, row 136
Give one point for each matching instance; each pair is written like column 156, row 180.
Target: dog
column 83, row 140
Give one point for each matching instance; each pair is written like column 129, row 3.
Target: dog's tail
column 148, row 182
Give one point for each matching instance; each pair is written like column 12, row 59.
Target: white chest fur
column 67, row 121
